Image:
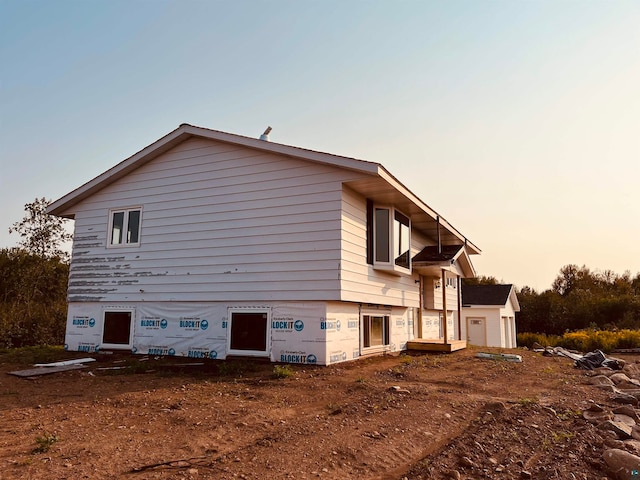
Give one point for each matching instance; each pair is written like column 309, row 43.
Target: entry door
column 476, row 331
column 249, row 333
column 117, row 330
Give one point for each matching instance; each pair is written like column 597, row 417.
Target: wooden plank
column 35, row 372
column 64, row 363
column 436, row 345
column 509, row 357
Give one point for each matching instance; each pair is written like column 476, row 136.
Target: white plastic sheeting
column 299, row 332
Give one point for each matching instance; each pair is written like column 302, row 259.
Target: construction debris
column 509, row 357
column 587, row 361
column 35, row 372
column 622, row 457
column 64, row 363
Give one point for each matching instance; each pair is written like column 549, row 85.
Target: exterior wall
column 401, row 328
column 219, row 222
column 344, row 340
column 497, row 333
column 360, row 282
column 343, row 332
column 433, row 294
column 493, row 326
column 299, row 332
column 431, row 325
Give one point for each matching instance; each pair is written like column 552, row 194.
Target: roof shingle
column 485, row 294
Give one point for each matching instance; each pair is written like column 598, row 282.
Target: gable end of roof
column 183, row 133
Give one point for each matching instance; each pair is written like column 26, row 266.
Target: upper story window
column 124, row 226
column 402, row 240
column 390, row 239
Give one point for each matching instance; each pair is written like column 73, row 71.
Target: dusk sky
column 517, row 121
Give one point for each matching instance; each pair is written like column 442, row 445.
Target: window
column 382, row 240
column 117, row 332
column 375, row 331
column 390, row 239
column 401, row 240
column 248, row 332
column 124, row 227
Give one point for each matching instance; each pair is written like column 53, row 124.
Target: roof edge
column 186, row 131
column 395, row 183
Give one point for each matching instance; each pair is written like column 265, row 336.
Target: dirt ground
column 449, row 416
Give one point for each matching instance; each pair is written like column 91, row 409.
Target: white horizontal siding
column 452, row 298
column 194, row 266
column 433, row 295
column 218, row 223
column 360, row 282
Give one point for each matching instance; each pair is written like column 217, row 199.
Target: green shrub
column 628, row 339
column 584, row 340
column 527, row 339
column 283, row 371
column 44, row 442
column 31, row 355
column 33, row 303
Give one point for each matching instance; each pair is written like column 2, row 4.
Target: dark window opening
column 382, row 235
column 117, row 328
column 249, row 331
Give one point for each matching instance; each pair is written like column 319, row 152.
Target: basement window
column 248, row 332
column 124, row 227
column 375, row 331
column 117, row 332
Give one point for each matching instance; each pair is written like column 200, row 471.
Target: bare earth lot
column 236, row 420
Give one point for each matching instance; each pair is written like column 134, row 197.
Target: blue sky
column 519, row 122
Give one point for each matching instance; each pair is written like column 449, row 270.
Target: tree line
column 33, row 281
column 579, row 298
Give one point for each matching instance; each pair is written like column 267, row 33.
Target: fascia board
column 514, row 299
column 466, row 259
column 118, row 171
column 483, row 305
column 395, row 183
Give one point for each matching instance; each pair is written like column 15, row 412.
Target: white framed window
column 375, row 331
column 391, row 240
column 124, row 227
column 249, row 332
column 117, row 329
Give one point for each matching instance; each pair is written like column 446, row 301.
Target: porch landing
column 436, row 345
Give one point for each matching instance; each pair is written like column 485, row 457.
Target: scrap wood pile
column 620, row 425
